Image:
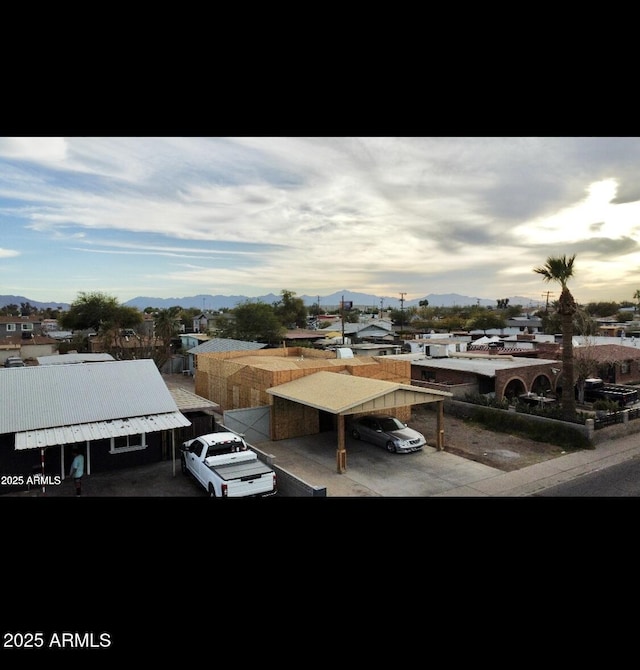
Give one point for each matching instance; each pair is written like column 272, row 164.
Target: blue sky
column 178, row 216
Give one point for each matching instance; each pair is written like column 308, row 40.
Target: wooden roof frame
column 344, row 394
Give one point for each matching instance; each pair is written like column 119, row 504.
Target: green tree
column 254, row 322
column 486, row 320
column 100, row 312
column 166, row 325
column 560, row 270
column 291, row 311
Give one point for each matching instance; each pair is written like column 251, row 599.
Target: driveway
column 371, row 470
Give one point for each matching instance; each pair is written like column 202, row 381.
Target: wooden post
column 341, row 454
column 440, row 424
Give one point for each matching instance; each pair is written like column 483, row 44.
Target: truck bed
column 242, row 470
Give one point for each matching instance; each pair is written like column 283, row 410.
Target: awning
column 99, row 430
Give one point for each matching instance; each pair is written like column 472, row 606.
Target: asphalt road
column 617, row 481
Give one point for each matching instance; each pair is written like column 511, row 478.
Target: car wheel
column 212, row 491
column 355, row 434
column 391, row 447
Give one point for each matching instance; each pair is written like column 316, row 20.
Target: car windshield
column 391, row 424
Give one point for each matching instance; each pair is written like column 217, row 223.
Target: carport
column 344, row 394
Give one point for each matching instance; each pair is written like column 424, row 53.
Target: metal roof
column 48, row 396
column 220, row 344
column 99, row 430
column 340, row 393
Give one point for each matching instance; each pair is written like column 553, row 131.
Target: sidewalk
column 530, row 480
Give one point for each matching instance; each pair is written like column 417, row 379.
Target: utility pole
column 548, row 293
column 402, row 295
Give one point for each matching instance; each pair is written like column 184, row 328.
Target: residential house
column 483, row 373
column 204, row 321
column 120, row 413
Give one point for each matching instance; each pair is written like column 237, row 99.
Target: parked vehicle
column 388, row 432
column 224, row 465
column 14, row 362
column 596, row 389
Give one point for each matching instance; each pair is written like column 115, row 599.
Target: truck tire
column 212, row 491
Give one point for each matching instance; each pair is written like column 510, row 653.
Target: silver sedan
column 388, row 432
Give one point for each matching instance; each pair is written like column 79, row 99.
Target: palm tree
column 560, row 269
column 636, row 297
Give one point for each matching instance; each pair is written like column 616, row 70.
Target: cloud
column 416, row 215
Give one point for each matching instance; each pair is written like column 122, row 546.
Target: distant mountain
column 208, row 302
column 19, row 299
column 332, row 301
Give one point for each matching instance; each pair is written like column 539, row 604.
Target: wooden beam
column 341, row 454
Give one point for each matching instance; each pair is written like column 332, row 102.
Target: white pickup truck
column 223, row 464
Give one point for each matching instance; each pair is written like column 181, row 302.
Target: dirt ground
column 470, row 440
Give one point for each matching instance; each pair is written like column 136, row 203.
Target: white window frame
column 135, row 442
column 11, row 327
column 26, row 326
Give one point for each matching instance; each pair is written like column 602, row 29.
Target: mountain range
column 209, row 302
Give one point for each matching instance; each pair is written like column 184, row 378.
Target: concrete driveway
column 371, row 470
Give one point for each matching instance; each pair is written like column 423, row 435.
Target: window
column 27, row 326
column 11, row 327
column 128, row 443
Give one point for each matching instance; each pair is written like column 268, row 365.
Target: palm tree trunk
column 568, row 390
column 567, row 308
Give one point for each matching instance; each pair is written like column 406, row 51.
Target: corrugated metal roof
column 98, row 430
column 42, row 397
column 220, row 344
column 344, row 394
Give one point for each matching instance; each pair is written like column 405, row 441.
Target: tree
column 486, row 320
column 99, row 312
column 166, row 324
column 254, row 322
column 291, row 311
column 560, row 270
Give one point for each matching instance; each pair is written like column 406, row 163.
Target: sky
column 180, row 216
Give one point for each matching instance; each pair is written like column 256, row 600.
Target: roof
column 59, row 359
column 101, row 399
column 340, row 393
column 479, row 365
column 300, row 362
column 221, row 344
column 190, row 402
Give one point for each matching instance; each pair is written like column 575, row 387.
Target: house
column 275, row 394
column 120, row 413
column 23, row 326
column 484, row 373
column 204, row 321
